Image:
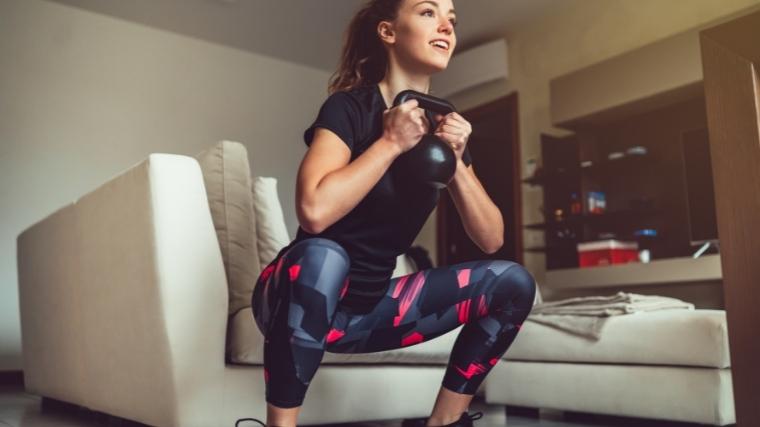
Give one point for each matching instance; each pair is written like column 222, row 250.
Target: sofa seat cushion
column 248, row 347
column 662, row 337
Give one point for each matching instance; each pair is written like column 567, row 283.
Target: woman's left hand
column 454, row 130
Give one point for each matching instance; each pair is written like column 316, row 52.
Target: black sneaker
column 466, row 420
column 249, row 419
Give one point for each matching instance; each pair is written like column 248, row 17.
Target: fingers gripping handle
column 425, row 101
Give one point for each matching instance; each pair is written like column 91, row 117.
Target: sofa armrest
column 123, row 297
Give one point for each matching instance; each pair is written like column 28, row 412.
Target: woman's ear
column 386, row 33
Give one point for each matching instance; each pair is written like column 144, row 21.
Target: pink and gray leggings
column 296, row 306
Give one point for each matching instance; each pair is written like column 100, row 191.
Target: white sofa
column 666, row 364
column 128, row 308
column 124, row 310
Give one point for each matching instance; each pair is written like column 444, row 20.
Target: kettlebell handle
column 431, row 160
column 425, row 101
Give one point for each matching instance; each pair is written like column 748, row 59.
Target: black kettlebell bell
column 431, row 161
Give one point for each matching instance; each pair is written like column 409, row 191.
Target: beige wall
column 84, row 96
column 557, row 44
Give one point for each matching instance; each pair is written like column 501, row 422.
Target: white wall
column 84, row 96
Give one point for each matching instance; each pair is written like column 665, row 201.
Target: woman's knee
column 516, row 280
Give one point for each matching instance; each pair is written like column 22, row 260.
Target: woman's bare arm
column 328, row 186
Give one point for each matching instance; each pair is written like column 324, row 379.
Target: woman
column 330, row 289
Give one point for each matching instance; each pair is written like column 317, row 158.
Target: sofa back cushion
column 271, row 231
column 227, row 177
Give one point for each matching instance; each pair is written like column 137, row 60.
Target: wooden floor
column 18, row 408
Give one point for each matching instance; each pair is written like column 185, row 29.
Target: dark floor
column 18, row 408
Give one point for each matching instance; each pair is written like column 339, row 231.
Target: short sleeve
column 340, row 114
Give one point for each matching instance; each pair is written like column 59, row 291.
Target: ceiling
column 308, row 32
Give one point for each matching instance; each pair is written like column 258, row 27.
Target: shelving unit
column 642, row 104
column 643, row 191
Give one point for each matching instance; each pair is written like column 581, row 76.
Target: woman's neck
column 390, row 87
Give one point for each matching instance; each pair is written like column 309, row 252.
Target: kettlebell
column 432, row 161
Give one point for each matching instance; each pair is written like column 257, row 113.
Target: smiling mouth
column 440, row 46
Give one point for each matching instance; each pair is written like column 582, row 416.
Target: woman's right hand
column 404, row 125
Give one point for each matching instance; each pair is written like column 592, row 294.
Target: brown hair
column 364, row 59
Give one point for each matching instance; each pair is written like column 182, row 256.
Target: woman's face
column 424, row 34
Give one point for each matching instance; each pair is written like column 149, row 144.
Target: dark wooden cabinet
column 637, row 162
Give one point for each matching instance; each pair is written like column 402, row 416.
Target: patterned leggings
column 296, row 306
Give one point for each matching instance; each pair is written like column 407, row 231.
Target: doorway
column 495, row 150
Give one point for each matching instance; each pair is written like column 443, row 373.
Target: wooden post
column 731, row 65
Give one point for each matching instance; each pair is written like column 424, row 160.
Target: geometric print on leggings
column 296, row 305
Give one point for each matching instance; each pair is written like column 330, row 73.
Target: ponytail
column 364, row 59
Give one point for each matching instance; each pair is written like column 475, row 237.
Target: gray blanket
column 586, row 316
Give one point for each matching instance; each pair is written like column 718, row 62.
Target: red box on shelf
column 607, row 252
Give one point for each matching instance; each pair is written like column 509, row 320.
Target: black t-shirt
column 385, row 223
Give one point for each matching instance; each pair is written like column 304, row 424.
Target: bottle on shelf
column 596, row 202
